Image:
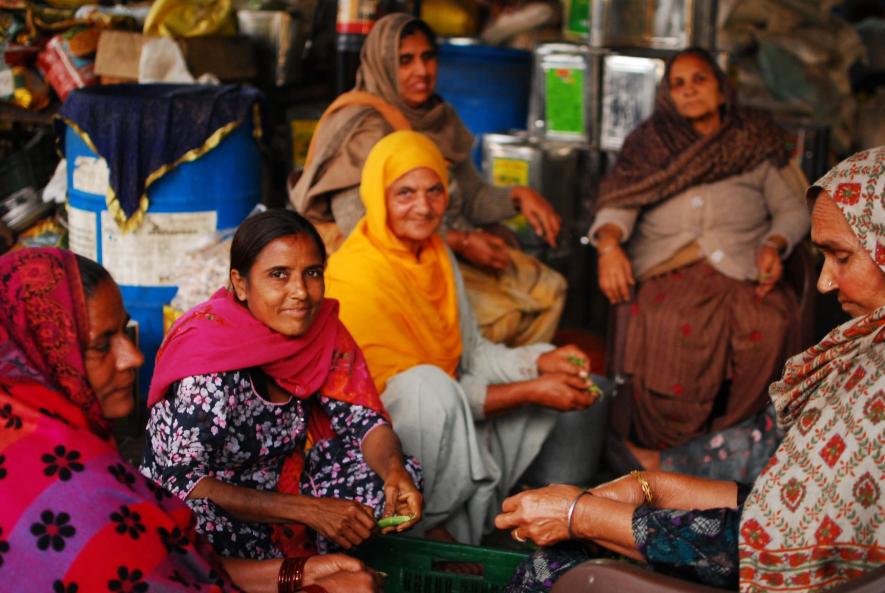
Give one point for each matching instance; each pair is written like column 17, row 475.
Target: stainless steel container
column 278, row 37
column 565, row 93
column 512, row 159
column 556, row 170
column 629, row 85
column 661, row 24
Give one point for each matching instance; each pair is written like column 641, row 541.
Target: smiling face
column 416, row 76
column 416, row 203
column 111, row 359
column 284, row 288
column 694, row 89
column 848, row 267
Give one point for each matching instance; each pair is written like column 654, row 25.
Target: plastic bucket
column 488, row 86
column 187, row 206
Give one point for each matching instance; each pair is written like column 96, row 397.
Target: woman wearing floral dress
column 245, row 381
column 815, row 517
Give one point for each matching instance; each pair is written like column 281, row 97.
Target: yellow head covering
column 402, row 310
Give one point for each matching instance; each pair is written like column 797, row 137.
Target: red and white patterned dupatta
column 816, row 516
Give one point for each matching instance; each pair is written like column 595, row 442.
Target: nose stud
column 829, row 284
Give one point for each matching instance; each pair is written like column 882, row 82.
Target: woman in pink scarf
column 815, row 517
column 74, row 516
column 249, row 380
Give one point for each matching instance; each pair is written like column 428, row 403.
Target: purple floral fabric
column 218, row 425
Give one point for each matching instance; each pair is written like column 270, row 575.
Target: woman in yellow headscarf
column 517, row 299
column 474, row 413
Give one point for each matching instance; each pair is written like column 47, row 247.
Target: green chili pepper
column 575, row 360
column 394, row 521
column 593, row 388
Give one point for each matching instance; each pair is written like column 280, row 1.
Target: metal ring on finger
column 516, row 536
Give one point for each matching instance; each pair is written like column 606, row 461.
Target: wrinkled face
column 285, row 287
column 416, row 76
column 694, row 89
column 416, row 203
column 111, row 359
column 848, row 267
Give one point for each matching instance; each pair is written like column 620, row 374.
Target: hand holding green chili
column 394, row 520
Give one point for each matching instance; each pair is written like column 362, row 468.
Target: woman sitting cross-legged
column 74, row 516
column 815, row 517
column 473, row 412
column 245, row 378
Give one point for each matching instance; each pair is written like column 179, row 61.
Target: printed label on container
column 578, row 19
column 507, row 172
column 147, row 256
column 302, row 132
column 91, row 175
column 565, row 101
column 83, row 232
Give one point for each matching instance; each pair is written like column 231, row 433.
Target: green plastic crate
column 419, row 565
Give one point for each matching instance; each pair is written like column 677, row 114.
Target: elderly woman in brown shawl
column 517, row 300
column 701, row 197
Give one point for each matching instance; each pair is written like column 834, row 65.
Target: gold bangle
column 643, row 483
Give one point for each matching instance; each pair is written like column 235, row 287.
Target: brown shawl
column 376, row 84
column 664, row 155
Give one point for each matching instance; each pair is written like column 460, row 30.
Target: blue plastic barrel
column 488, row 86
column 226, row 180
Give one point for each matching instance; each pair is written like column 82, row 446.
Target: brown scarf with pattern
column 664, row 155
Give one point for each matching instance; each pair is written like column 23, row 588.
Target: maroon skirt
column 690, row 331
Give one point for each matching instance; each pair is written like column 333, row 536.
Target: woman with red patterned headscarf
column 74, row 516
column 815, row 517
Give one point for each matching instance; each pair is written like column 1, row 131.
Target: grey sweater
column 728, row 219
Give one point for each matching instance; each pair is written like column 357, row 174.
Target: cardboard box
column 231, row 59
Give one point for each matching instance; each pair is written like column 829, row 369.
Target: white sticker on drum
column 91, row 175
column 148, row 256
column 83, row 232
column 7, row 84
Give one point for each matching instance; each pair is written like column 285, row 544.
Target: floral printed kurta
column 816, row 517
column 218, row 425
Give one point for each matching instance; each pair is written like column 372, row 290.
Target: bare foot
column 649, row 458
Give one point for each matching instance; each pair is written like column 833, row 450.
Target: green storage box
column 420, row 566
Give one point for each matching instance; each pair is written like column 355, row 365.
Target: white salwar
column 470, row 462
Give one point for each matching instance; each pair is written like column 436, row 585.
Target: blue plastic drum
column 488, row 86
column 215, row 192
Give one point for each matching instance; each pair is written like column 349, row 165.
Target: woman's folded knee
column 425, row 386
